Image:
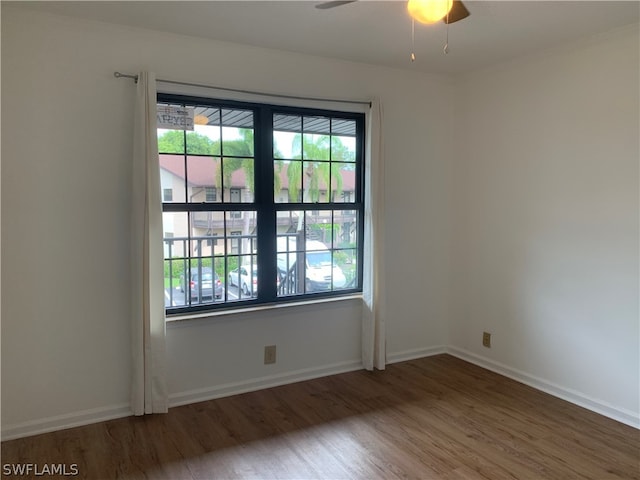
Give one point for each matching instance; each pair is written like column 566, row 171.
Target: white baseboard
column 235, row 388
column 86, row 417
column 62, row 422
column 415, row 353
column 603, row 408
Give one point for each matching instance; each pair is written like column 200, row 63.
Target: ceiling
column 369, row 31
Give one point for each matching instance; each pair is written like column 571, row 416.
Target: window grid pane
column 317, row 251
column 211, row 239
column 314, row 159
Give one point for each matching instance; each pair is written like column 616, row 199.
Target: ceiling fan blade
column 333, row 4
column 458, row 12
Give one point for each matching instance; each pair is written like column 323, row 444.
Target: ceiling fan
column 457, row 12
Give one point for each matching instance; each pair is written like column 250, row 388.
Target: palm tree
column 315, row 151
column 312, row 161
column 232, row 160
column 231, row 150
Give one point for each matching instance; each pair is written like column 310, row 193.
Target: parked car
column 247, row 283
column 207, row 288
column 321, row 273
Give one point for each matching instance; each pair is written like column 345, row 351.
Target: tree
column 318, row 149
column 244, row 148
column 315, row 148
column 172, row 141
column 232, row 161
column 231, row 150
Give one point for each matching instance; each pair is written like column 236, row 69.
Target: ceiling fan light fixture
column 429, row 11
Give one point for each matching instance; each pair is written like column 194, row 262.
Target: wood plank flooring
column 432, row 418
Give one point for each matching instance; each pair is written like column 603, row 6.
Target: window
column 210, row 194
column 167, row 195
column 266, row 204
column 235, row 242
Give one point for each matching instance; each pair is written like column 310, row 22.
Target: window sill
column 260, row 308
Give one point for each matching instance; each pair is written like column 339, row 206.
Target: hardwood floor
column 432, row 418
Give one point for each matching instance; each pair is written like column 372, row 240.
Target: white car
column 248, row 284
column 321, row 273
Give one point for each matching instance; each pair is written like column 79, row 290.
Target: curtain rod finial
column 124, row 75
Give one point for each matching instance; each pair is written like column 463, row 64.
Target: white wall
column 546, row 225
column 66, row 143
column 538, row 202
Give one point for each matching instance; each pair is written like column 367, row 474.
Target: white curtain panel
column 149, row 391
column 373, row 317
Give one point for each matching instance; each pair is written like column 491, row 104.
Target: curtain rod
column 235, row 90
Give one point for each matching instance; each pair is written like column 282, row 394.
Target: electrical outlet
column 486, row 339
column 269, row 354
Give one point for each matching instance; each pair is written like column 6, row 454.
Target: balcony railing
column 213, row 259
